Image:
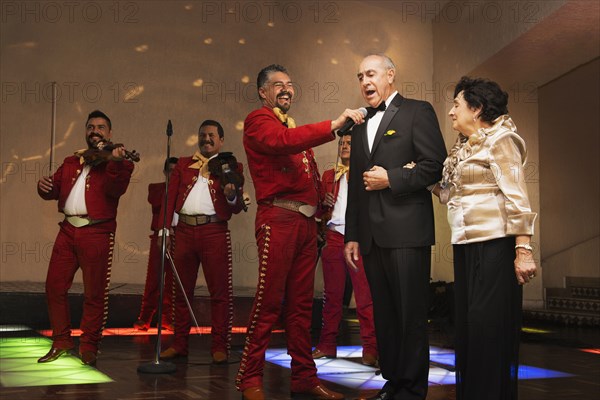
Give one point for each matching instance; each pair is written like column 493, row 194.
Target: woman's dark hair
column 263, row 75
column 488, row 95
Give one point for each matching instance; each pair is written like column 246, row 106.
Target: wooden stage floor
column 559, row 363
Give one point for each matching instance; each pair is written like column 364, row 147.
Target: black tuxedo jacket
column 401, row 215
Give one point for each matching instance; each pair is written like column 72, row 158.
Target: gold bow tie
column 79, row 153
column 284, row 118
column 200, row 164
column 340, row 169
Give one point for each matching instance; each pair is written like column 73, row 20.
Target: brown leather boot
column 253, row 393
column 319, row 392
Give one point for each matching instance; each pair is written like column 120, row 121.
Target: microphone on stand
column 169, row 128
column 350, row 123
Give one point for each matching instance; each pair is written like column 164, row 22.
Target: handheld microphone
column 350, row 123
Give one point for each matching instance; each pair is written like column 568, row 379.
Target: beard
column 286, row 103
column 93, row 138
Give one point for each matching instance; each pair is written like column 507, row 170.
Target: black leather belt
column 82, row 220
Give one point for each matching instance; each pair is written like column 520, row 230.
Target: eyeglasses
column 283, row 85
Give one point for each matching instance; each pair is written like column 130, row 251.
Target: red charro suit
column 334, row 277
column 209, row 245
column 156, row 194
column 88, row 247
column 282, row 166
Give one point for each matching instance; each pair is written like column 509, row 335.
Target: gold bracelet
column 525, row 246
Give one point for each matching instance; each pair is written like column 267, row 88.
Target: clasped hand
column 376, row 179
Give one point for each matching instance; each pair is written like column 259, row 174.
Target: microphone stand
column 158, row 366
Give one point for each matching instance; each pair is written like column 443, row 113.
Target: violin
column 102, row 152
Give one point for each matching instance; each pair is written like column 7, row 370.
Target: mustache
column 285, row 93
column 203, row 142
column 95, row 134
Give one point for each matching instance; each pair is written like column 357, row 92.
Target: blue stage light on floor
column 354, row 375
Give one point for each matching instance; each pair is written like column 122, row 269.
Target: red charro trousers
column 334, row 277
column 209, row 245
column 91, row 249
column 287, row 254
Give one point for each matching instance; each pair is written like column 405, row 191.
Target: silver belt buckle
column 307, row 210
column 78, row 222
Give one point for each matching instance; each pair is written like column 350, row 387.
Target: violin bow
column 52, row 130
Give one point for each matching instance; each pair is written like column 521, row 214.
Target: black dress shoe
column 88, row 358
column 53, row 355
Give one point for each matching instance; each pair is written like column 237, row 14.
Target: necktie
column 200, row 164
column 284, row 118
column 340, row 169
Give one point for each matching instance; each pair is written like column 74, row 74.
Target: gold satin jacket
column 489, row 199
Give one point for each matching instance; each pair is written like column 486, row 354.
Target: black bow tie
column 373, row 110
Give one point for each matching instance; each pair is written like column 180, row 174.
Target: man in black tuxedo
column 389, row 219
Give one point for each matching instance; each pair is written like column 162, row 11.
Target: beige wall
column 570, row 170
column 185, row 61
column 532, row 43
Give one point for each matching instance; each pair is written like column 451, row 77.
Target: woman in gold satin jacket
column 492, row 223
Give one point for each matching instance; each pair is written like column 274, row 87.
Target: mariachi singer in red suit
column 204, row 203
column 156, row 197
column 88, row 195
column 335, row 184
column 287, row 187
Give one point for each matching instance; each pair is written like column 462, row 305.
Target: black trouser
column 399, row 282
column 488, row 320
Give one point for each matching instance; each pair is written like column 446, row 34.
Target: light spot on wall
column 242, row 41
column 198, row 83
column 319, row 41
column 376, row 40
column 133, row 92
column 245, row 79
column 142, row 48
column 239, row 126
column 346, row 41
column 192, row 140
column 270, row 24
column 24, row 45
column 188, row 7
column 334, row 61
column 208, row 41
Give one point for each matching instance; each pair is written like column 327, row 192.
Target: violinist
column 205, row 190
column 335, row 184
column 88, row 196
